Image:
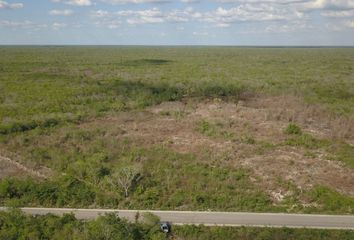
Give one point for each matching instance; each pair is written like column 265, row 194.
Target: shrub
column 205, row 127
column 16, row 225
column 27, row 126
column 293, row 129
column 63, row 191
column 17, row 127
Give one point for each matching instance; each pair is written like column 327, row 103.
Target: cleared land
column 223, row 129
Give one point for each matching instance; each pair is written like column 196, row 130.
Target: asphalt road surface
column 215, row 218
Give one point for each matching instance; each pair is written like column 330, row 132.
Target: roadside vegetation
column 143, row 179
column 15, row 225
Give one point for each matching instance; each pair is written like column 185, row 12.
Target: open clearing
column 246, row 134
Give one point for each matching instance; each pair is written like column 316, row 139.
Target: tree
column 125, row 178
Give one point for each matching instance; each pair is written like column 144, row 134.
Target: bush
column 16, row 225
column 18, row 127
column 293, row 129
column 27, row 126
column 206, row 128
column 65, row 191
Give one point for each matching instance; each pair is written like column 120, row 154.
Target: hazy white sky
column 177, row 22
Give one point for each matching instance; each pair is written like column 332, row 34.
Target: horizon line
column 175, row 45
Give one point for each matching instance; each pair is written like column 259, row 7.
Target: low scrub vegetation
column 65, row 191
column 293, row 129
column 40, row 82
column 209, row 233
column 213, row 130
column 160, row 179
column 66, row 109
column 163, row 180
column 15, row 225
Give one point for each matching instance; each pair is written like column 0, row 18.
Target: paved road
column 216, row 218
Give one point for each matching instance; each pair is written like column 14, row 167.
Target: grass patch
column 206, row 128
column 213, row 130
column 293, row 129
column 329, row 201
column 342, row 152
column 307, row 141
column 339, row 151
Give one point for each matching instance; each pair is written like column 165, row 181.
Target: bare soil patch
column 317, row 120
column 10, row 168
column 248, row 134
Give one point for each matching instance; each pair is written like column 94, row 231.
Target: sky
column 177, row 22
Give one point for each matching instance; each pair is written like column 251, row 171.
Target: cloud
column 14, row 24
column 148, row 16
column 30, row 26
column 200, row 33
column 338, row 14
column 21, row 25
column 65, row 12
column 220, row 17
column 250, row 13
column 153, row 15
column 57, row 26
column 190, row 1
column 262, row 1
column 292, row 26
column 304, row 5
column 106, row 19
column 100, row 14
column 329, row 4
column 113, row 2
column 6, row 5
column 109, row 23
column 349, row 24
column 280, row 15
column 75, row 2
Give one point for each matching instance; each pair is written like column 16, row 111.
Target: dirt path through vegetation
column 10, row 167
